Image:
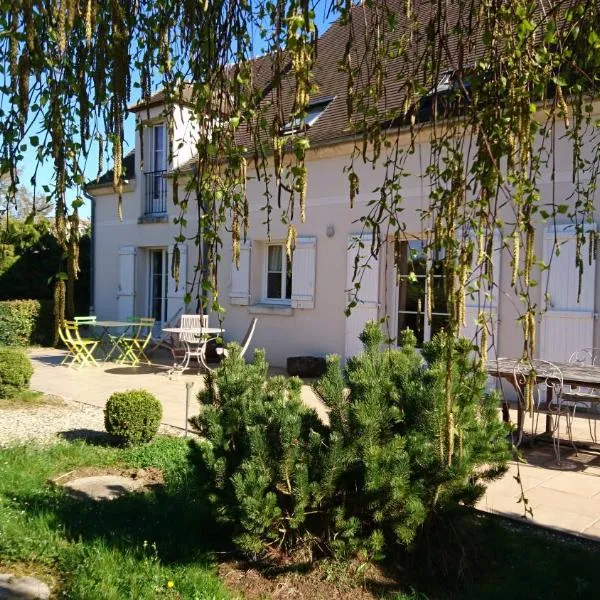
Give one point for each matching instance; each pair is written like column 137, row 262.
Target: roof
column 107, row 177
column 331, row 81
column 182, row 95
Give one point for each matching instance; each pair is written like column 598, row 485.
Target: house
column 301, row 304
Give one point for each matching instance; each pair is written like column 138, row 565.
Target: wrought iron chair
column 245, row 342
column 167, row 342
column 584, row 397
column 539, row 386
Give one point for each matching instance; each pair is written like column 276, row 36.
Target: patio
column 566, row 498
column 93, row 385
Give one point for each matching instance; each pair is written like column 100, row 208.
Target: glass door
column 158, row 285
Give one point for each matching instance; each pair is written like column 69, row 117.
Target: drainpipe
column 92, row 308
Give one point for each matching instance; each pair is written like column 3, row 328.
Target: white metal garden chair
column 547, row 381
column 584, row 397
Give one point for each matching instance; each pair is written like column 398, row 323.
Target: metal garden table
column 202, row 337
column 575, row 375
column 105, row 326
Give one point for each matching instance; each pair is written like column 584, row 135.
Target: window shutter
column 367, row 307
column 304, row 273
column 239, row 292
column 176, row 293
column 126, row 286
column 568, row 324
column 368, row 271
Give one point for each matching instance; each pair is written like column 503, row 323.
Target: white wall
column 320, row 330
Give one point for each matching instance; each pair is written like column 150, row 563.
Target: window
column 313, row 112
column 159, row 148
column 412, row 289
column 156, row 184
column 158, row 285
column 279, row 273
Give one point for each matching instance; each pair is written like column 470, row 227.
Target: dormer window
column 314, row 110
column 156, row 184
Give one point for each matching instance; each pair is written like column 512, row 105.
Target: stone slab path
column 13, row 587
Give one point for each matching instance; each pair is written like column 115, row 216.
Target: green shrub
column 18, row 322
column 284, row 481
column 133, row 417
column 15, row 372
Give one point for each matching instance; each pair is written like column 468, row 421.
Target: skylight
column 314, row 110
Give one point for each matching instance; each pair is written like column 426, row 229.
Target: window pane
column 412, row 259
column 412, row 321
column 288, row 280
column 159, row 148
column 274, row 285
column 439, row 304
column 438, row 322
column 411, row 295
column 275, row 256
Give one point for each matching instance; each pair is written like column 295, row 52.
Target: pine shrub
column 375, row 476
column 133, row 416
column 15, row 372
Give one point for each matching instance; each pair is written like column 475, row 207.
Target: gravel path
column 47, row 423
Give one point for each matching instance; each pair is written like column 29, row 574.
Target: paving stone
column 102, row 487
column 13, row 587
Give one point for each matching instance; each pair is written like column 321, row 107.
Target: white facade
column 308, row 316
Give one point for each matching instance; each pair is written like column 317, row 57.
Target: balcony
column 156, row 194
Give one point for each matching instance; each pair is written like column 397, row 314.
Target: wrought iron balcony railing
column 156, row 193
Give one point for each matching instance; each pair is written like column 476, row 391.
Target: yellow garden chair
column 133, row 347
column 79, row 350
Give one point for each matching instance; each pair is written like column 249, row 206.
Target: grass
column 128, row 548
column 134, row 546
column 30, row 399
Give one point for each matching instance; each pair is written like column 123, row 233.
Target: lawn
column 142, row 546
column 164, row 544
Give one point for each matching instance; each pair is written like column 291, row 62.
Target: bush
column 133, row 417
column 15, row 372
column 19, row 322
column 372, row 479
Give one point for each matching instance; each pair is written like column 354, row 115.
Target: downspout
column 92, row 309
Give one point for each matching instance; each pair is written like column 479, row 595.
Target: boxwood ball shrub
column 15, row 371
column 133, row 416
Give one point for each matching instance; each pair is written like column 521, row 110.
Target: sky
column 45, row 170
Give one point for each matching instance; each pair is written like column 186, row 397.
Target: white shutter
column 568, row 324
column 239, row 292
column 176, row 293
column 304, row 272
column 126, row 285
column 367, row 296
column 484, row 298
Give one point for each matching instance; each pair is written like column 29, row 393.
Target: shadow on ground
column 48, row 359
column 139, row 370
column 89, row 436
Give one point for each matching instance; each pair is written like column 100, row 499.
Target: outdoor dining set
column 89, row 340
column 555, row 390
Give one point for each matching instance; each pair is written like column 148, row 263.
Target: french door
column 157, row 277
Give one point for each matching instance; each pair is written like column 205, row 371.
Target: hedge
column 25, row 322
